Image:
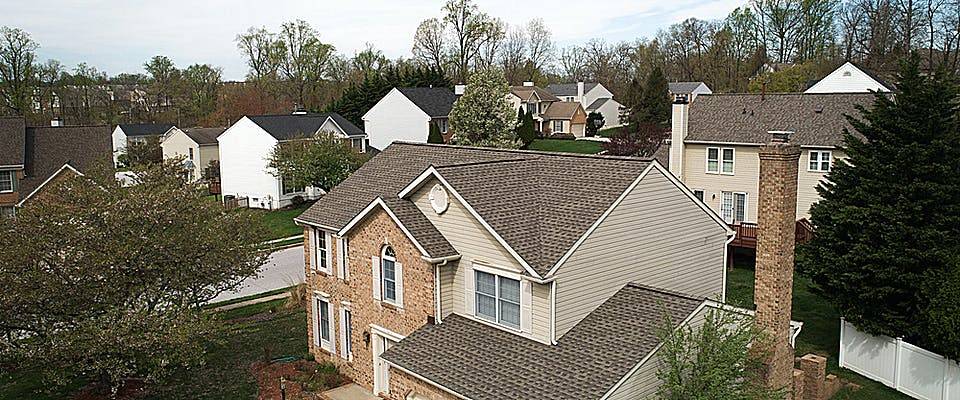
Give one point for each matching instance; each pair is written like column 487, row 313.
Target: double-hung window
column 6, row 181
column 698, row 193
column 346, row 331
column 819, row 161
column 498, row 299
column 720, row 160
column 323, row 324
column 558, row 126
column 733, row 207
column 321, row 246
column 388, row 274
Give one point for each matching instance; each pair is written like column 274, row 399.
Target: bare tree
column 304, row 60
column 512, row 58
column 779, row 23
column 429, row 43
column 17, row 56
column 541, row 49
column 469, row 27
column 495, row 34
column 573, row 63
column 263, row 53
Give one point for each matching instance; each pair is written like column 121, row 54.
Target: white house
column 593, row 97
column 124, row 134
column 246, row 145
column 405, row 114
column 687, row 90
column 197, row 146
column 848, row 78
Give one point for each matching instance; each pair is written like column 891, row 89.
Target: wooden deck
column 747, row 233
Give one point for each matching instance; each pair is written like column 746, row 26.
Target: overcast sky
column 119, row 35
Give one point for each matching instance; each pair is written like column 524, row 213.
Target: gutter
column 440, row 260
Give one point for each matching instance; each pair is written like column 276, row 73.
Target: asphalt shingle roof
column 561, row 110
column 204, row 135
column 816, row 119
column 145, row 129
column 295, row 126
column 526, row 92
column 485, row 363
column 598, row 103
column 569, row 89
column 49, row 148
column 11, row 140
column 683, row 87
column 539, row 202
column 436, row 102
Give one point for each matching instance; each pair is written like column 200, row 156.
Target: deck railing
column 747, row 233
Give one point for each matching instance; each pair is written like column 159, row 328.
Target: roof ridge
column 474, row 163
column 521, row 151
column 670, row 292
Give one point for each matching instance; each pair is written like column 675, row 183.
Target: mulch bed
column 302, row 379
column 131, row 389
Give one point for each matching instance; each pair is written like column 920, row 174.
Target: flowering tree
column 483, row 116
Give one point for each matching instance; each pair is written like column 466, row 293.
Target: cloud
column 120, row 35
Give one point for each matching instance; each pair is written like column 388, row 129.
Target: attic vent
column 439, row 199
column 847, row 73
column 819, row 109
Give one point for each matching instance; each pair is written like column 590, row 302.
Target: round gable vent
column 439, row 199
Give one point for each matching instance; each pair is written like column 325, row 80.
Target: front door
column 381, row 372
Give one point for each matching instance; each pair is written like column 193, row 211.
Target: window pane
column 712, row 166
column 740, row 206
column 727, row 166
column 728, row 155
column 324, row 319
column 825, row 161
column 486, row 283
column 510, row 290
column 6, row 181
column 712, row 154
column 510, row 313
column 389, row 270
column 390, row 290
column 698, row 194
column 388, row 252
column 486, row 306
column 347, row 319
column 726, row 207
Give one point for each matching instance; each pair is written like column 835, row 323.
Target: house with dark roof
column 246, row 145
column 716, row 138
column 594, row 97
column 450, row 272
column 196, row 146
column 687, row 90
column 125, row 134
column 406, row 114
column 33, row 157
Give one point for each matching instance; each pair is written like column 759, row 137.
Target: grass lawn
column 566, row 146
column 821, row 328
column 608, row 132
column 255, row 333
column 281, row 222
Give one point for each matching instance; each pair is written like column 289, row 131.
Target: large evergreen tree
column 888, row 226
column 359, row 98
column 652, row 106
column 526, row 130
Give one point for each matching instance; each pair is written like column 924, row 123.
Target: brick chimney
column 776, row 238
column 678, row 132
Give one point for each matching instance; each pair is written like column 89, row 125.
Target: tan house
column 197, row 146
column 716, row 138
column 550, row 114
column 446, row 272
column 565, row 117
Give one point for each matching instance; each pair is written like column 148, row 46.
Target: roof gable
column 49, row 148
column 849, row 78
column 435, row 101
column 294, row 126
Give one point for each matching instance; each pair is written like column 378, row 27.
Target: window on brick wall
column 323, row 323
column 6, row 181
column 321, row 251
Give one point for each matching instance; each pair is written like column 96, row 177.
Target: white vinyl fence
column 919, row 373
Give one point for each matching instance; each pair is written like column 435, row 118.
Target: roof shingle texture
column 204, row 135
column 296, row 126
column 815, row 119
column 11, row 140
column 540, row 203
column 49, row 148
column 526, row 92
column 485, row 363
column 683, row 87
column 561, row 110
column 144, row 129
column 569, row 89
column 436, row 102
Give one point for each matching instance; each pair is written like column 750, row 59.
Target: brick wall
column 775, row 248
column 366, row 241
column 403, row 384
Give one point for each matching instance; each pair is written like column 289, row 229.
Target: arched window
column 388, row 274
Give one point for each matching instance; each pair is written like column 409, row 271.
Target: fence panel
column 910, row 369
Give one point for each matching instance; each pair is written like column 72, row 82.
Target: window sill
column 390, row 305
column 497, row 325
column 720, row 173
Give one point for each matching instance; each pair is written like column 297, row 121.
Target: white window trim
column 499, row 273
column 12, row 174
column 397, row 282
column 719, row 170
column 746, row 205
column 695, row 190
column 328, row 344
column 819, row 160
column 315, row 244
column 346, row 332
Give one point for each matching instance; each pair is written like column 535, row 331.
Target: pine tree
column 888, row 226
column 435, row 136
column 526, row 131
column 653, row 105
column 360, row 97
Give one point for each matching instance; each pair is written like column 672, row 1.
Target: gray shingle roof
column 49, row 148
column 295, row 126
column 539, row 202
column 816, row 119
column 204, row 135
column 436, row 102
column 11, row 140
column 420, row 227
column 598, row 103
column 683, row 87
column 569, row 89
column 485, row 363
column 144, row 129
column 526, row 92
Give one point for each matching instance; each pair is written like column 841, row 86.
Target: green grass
column 608, row 132
column 280, row 222
column 267, row 331
column 566, row 146
column 821, row 327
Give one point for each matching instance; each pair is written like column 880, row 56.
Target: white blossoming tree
column 483, row 116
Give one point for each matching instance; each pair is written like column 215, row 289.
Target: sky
column 120, row 35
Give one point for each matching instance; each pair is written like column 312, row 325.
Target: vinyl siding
column 657, row 236
column 476, row 245
column 807, row 182
column 178, row 144
column 395, row 118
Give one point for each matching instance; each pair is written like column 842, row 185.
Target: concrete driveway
column 283, row 269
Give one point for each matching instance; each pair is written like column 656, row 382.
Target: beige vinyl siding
column 807, row 182
column 451, row 299
column 745, row 178
column 643, row 383
column 476, row 245
column 209, row 152
column 657, row 236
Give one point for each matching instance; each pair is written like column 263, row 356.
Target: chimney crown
column 528, row 83
column 780, row 136
column 459, row 89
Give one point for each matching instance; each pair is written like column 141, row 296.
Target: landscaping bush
column 297, row 201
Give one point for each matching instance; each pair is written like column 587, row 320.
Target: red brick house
column 446, row 272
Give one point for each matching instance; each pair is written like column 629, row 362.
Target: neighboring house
column 531, row 99
column 687, row 90
column 443, row 272
column 197, row 146
column 246, row 145
column 405, row 114
column 125, row 134
column 849, row 78
column 594, row 97
column 33, row 157
column 550, row 114
column 715, row 142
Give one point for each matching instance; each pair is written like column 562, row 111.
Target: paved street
column 284, row 268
